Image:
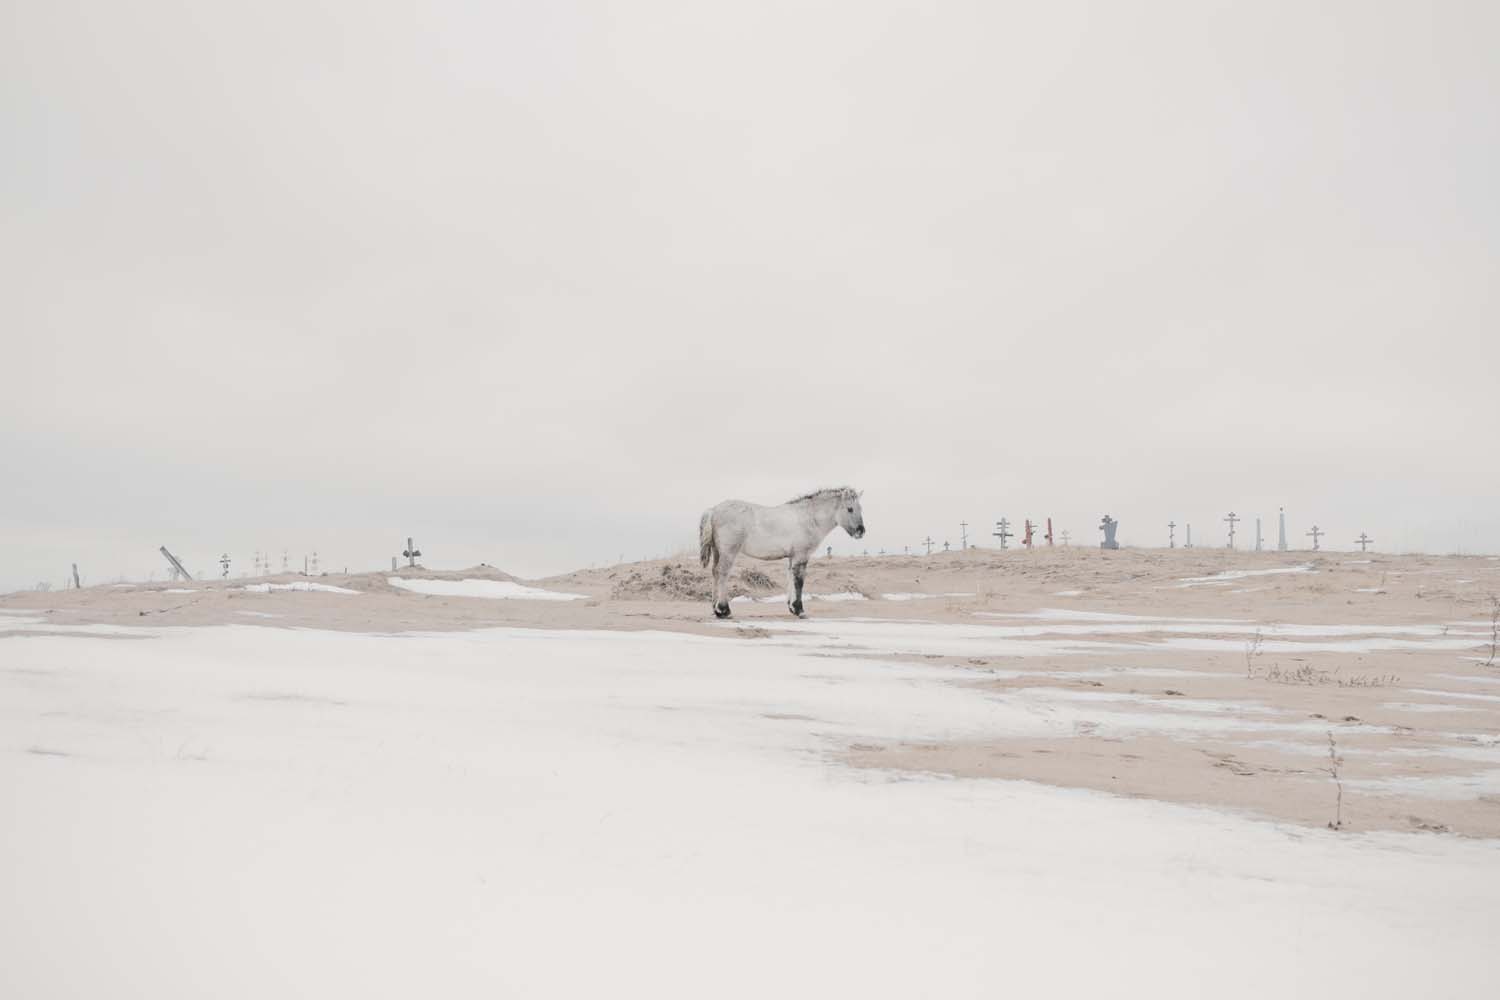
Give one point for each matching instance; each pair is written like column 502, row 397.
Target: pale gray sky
column 537, row 283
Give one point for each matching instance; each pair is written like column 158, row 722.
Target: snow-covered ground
column 499, row 589
column 254, row 812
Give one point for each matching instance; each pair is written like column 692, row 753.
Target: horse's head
column 849, row 516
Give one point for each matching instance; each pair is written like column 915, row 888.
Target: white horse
column 791, row 532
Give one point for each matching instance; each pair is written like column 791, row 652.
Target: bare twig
column 1494, row 629
column 1334, row 763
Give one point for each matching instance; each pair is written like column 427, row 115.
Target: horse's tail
column 706, row 537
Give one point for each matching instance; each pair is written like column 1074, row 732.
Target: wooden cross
column 963, row 540
column 224, row 561
column 1364, row 540
column 1065, row 536
column 1233, row 517
column 1315, row 532
column 929, row 543
column 1002, row 531
column 1048, row 535
column 1030, row 529
column 410, row 552
column 1188, row 542
column 1171, row 534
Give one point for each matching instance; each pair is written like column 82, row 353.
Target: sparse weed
column 1252, row 650
column 1310, row 675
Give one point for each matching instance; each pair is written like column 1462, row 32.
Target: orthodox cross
column 1232, row 518
column 1002, row 531
column 1315, row 532
column 1364, row 540
column 1171, row 534
column 963, row 541
column 224, row 561
column 1030, row 529
column 1065, row 536
column 929, row 543
column 411, row 552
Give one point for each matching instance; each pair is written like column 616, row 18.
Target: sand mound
column 678, row 582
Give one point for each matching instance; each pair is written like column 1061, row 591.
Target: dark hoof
column 796, row 609
column 721, row 610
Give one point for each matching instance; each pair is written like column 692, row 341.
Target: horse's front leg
column 722, row 566
column 796, row 572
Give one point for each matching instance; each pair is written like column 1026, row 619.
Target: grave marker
column 1109, row 526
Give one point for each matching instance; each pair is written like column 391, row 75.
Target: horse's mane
column 828, row 491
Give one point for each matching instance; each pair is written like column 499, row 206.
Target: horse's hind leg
column 723, row 563
column 796, row 572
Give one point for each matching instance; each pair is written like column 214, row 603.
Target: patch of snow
column 302, row 585
column 257, row 614
column 179, row 590
column 1466, row 695
column 496, row 589
column 1427, row 706
column 1240, row 574
column 1072, row 614
column 1453, row 787
column 122, row 585
column 1067, row 593
column 1470, row 677
column 845, row 596
column 921, row 597
column 1368, row 590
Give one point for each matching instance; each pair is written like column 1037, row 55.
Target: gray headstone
column 1109, row 526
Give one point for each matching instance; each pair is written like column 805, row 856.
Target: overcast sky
column 538, row 282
